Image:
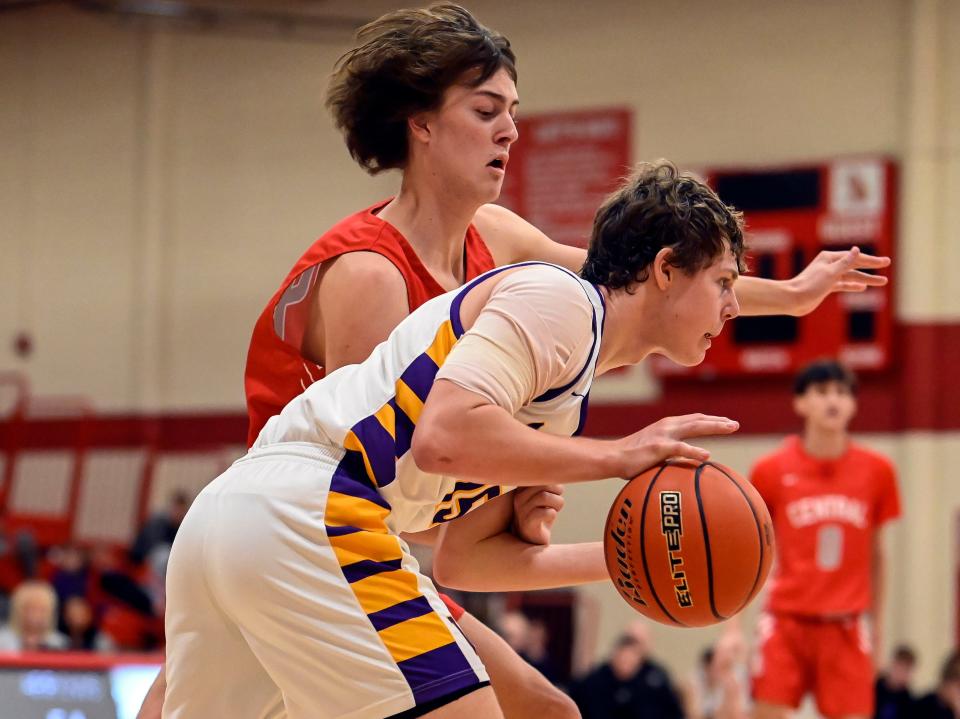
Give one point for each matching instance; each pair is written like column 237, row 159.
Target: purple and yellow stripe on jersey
column 418, row 639
column 371, row 557
column 376, row 442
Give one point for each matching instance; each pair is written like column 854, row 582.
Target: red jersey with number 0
column 825, row 514
column 276, row 372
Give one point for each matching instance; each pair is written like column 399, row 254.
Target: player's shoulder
column 552, row 298
column 358, row 271
column 870, row 458
column 780, row 456
column 494, row 219
column 547, row 282
column 509, row 237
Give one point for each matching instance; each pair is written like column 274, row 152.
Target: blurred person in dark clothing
column 630, row 685
column 19, row 560
column 160, row 529
column 529, row 638
column 80, row 629
column 538, row 652
column 944, row 701
column 894, row 699
column 71, row 575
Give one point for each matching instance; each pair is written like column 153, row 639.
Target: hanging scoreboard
column 792, row 214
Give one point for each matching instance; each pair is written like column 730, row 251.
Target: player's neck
column 824, row 444
column 433, row 224
column 628, row 327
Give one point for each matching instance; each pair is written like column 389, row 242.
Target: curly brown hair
column 657, row 207
column 404, row 63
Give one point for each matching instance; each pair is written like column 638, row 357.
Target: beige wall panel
column 78, row 130
column 738, row 82
column 16, row 149
column 257, row 172
column 950, row 206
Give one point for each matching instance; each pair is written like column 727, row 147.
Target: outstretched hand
column 665, row 439
column 835, row 271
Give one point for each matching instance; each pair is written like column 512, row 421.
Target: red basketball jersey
column 276, row 372
column 825, row 514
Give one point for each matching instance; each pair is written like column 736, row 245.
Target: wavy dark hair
column 657, row 207
column 403, row 64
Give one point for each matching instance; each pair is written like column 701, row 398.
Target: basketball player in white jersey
column 290, row 592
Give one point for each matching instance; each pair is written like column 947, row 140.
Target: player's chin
column 690, row 358
column 492, row 193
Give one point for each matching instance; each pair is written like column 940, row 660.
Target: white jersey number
column 829, row 546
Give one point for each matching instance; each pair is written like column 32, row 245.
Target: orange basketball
column 688, row 545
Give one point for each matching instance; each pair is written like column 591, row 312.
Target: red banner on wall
column 562, row 167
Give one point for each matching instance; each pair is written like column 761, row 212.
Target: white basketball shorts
column 288, row 597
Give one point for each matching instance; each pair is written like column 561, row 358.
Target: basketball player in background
column 432, row 93
column 830, row 499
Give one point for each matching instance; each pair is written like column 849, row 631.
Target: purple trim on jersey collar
column 458, row 300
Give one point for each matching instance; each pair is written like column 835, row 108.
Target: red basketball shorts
column 830, row 658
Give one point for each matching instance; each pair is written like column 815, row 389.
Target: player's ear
column 418, row 125
column 663, row 272
column 799, row 406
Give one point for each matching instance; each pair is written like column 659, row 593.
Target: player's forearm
column 153, row 701
column 485, row 443
column 759, row 296
column 503, row 563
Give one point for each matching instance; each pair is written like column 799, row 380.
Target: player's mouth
column 499, row 162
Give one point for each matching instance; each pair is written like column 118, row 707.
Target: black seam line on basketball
column 643, row 548
column 706, row 542
column 756, row 521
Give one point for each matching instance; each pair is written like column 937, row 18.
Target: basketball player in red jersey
column 433, row 94
column 829, row 499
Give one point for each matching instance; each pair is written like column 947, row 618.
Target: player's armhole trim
column 556, row 391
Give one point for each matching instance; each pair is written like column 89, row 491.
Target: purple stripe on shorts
column 340, row 531
column 346, row 482
column 438, row 672
column 419, row 376
column 416, row 607
column 379, row 446
column 367, row 568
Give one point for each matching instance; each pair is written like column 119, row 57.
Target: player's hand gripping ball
column 687, row 544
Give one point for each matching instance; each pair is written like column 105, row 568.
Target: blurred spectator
column 894, row 700
column 944, row 701
column 515, row 630
column 82, row 634
column 127, row 612
column 19, row 560
column 33, row 620
column 112, row 583
column 160, row 529
column 630, row 685
column 538, row 653
column 530, row 639
column 719, row 687
column 71, row 572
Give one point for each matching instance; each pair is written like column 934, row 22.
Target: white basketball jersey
column 371, row 409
